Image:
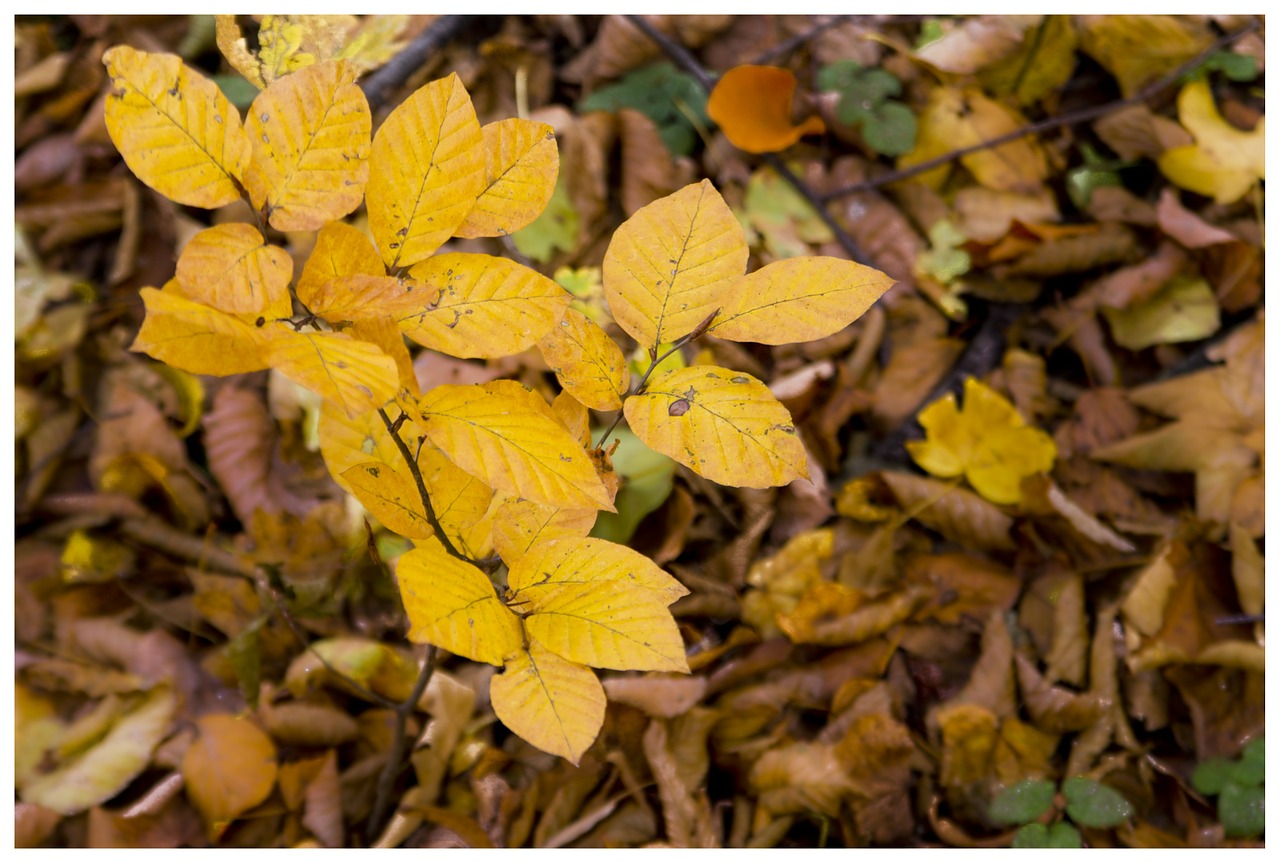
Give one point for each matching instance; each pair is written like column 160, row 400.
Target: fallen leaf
column 752, row 104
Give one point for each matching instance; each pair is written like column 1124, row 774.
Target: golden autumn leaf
column 668, row 266
column 340, row 250
column 289, row 43
column 347, row 441
column 518, row 525
column 426, row 168
column 1224, row 162
column 568, row 562
column 988, row 441
column 354, row 374
column 174, row 128
column 588, row 364
column 556, row 705
column 521, row 166
column 721, row 424
column 511, row 446
column 107, row 766
column 482, row 306
column 309, row 134
column 383, row 332
column 460, row 500
column 195, row 338
column 391, row 496
column 360, row 297
column 797, row 300
column 232, row 268
column 452, row 604
column 229, row 769
column 1138, row 49
column 752, row 106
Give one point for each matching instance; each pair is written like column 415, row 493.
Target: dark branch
column 395, row 758
column 392, row 429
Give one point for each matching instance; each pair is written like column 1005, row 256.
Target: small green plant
column 1037, row 806
column 1238, row 785
column 673, row 100
column 887, row 125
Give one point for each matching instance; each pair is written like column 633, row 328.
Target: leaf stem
column 653, row 364
column 393, row 430
column 391, row 771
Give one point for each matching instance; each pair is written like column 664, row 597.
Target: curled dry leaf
column 954, row 512
column 752, row 104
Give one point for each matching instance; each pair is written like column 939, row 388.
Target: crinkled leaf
column 511, row 447
column 1092, row 804
column 453, row 605
column 426, row 168
column 310, row 137
column 522, row 164
column 196, row 338
column 556, row 705
column 723, row 425
column 797, row 300
column 229, row 769
column 481, row 306
column 175, row 129
column 668, row 266
column 588, row 364
column 232, row 268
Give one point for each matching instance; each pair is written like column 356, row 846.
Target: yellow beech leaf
column 482, row 306
column 988, row 441
column 588, row 364
column 392, row 496
column 573, row 416
column 195, row 338
column 355, row 375
column 556, row 705
column 357, row 296
column 519, row 525
column 453, row 605
column 521, row 166
column 510, row 446
column 234, row 47
column 288, row 43
column 752, row 105
column 607, row 625
column 232, row 268
column 797, row 300
column 460, row 500
column 667, row 267
column 955, row 118
column 572, row 562
column 383, row 332
column 426, row 168
column 174, row 128
column 1224, row 162
column 721, row 424
column 346, row 441
column 340, row 250
column 229, row 769
column 310, row 137
column 104, row 769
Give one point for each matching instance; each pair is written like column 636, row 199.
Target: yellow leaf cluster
column 986, row 441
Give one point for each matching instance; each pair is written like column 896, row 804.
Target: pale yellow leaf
column 521, row 166
column 668, row 266
column 234, row 46
column 175, row 129
column 482, row 306
column 605, row 624
column 104, row 769
column 520, row 524
column 426, row 168
column 232, row 268
column 1247, row 570
column 195, row 338
column 797, row 300
column 556, row 705
column 310, row 137
column 340, row 250
column 288, row 43
column 510, row 446
column 1225, row 162
column 588, row 364
column 568, row 562
column 721, row 424
column 229, row 769
column 392, row 496
column 452, row 604
column 356, row 375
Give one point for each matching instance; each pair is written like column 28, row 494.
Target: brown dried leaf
column 658, row 695
column 323, row 814
column 956, row 513
column 1053, row 708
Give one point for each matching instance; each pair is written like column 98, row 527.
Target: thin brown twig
column 422, row 488
column 1047, row 125
column 681, row 56
column 390, row 772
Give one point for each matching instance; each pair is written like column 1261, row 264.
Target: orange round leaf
column 752, row 104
